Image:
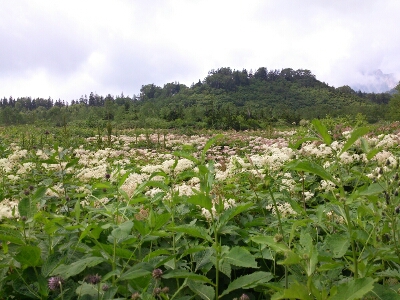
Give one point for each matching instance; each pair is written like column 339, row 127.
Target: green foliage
column 241, row 226
column 225, row 99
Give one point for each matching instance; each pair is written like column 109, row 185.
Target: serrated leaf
column 77, row 267
column 338, row 244
column 203, row 258
column 241, row 257
column 381, row 292
column 201, row 200
column 206, row 292
column 195, row 231
column 29, row 256
column 323, row 131
column 186, row 274
column 310, row 167
column 248, row 281
column 355, row 135
column 269, row 241
column 373, row 189
column 295, row 291
column 354, row 289
column 134, row 273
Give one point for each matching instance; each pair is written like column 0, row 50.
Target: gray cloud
column 71, row 48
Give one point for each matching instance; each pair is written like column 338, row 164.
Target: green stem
column 353, row 245
column 278, row 214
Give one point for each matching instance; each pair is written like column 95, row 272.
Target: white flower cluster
column 7, row 207
column 228, row 203
column 285, row 209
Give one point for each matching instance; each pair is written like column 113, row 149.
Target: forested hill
column 225, row 99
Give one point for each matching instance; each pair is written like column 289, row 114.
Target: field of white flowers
column 307, row 213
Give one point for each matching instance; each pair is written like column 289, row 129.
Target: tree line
column 224, row 99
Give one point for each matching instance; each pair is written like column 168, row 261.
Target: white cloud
column 64, row 49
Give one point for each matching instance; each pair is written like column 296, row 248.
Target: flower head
column 55, row 283
column 93, row 279
column 157, row 273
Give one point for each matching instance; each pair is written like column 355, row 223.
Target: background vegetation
column 225, row 99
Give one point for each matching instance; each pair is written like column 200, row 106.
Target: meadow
column 310, row 212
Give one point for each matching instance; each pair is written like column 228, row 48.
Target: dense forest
column 225, row 99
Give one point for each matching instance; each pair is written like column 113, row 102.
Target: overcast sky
column 65, row 49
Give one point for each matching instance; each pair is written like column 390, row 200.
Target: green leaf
column 354, row 289
column 301, row 141
column 186, row 274
column 248, row 281
column 382, row 292
column 134, row 273
column 202, row 200
column 291, row 258
column 338, row 244
column 373, row 189
column 206, row 292
column 323, row 131
column 355, row 135
column 24, row 207
column 295, row 291
column 269, row 241
column 230, row 213
column 187, row 156
column 310, row 167
column 77, row 267
column 208, row 145
column 39, row 193
column 12, row 237
column 29, row 256
column 195, row 231
column 241, row 257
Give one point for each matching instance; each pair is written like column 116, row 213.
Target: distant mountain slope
column 375, row 82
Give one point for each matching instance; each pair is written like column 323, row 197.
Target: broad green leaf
column 338, row 244
column 301, row 141
column 323, row 131
column 269, row 241
column 29, row 256
column 186, row 274
column 134, row 273
column 51, row 262
column 87, row 291
column 230, row 213
column 192, row 230
column 208, row 145
column 354, row 289
column 382, row 292
column 161, row 220
column 77, row 267
column 24, row 207
column 206, row 292
column 355, row 135
column 203, row 258
column 77, row 211
column 202, row 200
column 248, row 281
column 373, row 189
column 241, row 257
column 291, row 258
column 296, row 224
column 39, row 193
column 187, row 156
column 310, row 167
column 11, row 237
column 295, row 291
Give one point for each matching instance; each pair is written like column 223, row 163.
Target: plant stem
column 353, row 245
column 278, row 214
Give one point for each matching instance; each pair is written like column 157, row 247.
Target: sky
column 66, row 49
